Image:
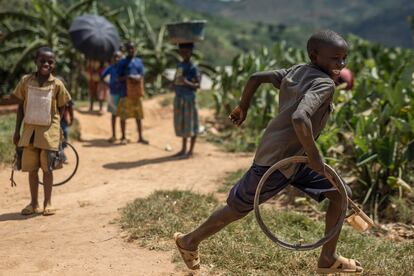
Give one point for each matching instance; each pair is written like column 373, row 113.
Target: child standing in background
column 131, row 80
column 94, row 71
column 114, row 95
column 67, row 117
column 187, row 81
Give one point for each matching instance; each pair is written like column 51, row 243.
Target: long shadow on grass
column 16, row 216
column 140, row 163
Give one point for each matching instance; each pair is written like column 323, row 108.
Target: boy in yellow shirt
column 42, row 100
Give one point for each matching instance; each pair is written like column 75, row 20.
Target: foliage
column 242, row 249
column 371, row 132
column 152, row 46
column 7, row 125
column 44, row 23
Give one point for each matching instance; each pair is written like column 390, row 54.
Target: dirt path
column 81, row 238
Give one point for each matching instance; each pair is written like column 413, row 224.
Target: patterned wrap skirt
column 186, row 122
column 130, row 108
column 113, row 101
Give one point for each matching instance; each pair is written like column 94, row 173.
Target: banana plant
column 371, row 132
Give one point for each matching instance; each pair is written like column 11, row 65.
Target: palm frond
column 112, row 13
column 23, row 32
column 149, row 31
column 51, row 6
column 78, row 7
column 31, row 48
column 160, row 39
column 12, row 49
column 19, row 16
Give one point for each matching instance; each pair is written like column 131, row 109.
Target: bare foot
column 189, row 155
column 142, row 141
column 181, row 153
column 112, row 139
column 124, row 141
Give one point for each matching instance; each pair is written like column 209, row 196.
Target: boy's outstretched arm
column 238, row 115
column 19, row 119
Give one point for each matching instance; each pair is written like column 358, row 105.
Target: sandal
column 49, row 210
column 191, row 258
column 30, row 210
column 342, row 265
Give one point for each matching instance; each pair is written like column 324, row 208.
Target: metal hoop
column 74, row 171
column 331, row 175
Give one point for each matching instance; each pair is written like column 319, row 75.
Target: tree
column 45, row 23
column 157, row 53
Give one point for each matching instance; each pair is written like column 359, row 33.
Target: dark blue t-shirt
column 128, row 66
column 190, row 72
column 112, row 71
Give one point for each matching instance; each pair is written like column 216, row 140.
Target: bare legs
column 91, row 101
column 217, row 221
column 224, row 216
column 47, row 186
column 328, row 252
column 34, row 188
column 90, row 104
column 113, row 128
column 139, row 130
column 183, row 150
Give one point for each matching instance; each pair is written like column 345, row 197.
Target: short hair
column 44, row 49
column 129, row 44
column 323, row 38
column 189, row 45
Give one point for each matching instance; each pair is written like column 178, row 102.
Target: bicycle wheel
column 336, row 181
column 69, row 169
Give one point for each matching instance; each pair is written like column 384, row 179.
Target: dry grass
column 242, row 249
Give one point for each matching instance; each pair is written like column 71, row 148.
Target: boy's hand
column 237, row 116
column 317, row 164
column 16, row 138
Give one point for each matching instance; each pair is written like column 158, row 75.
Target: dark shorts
column 241, row 196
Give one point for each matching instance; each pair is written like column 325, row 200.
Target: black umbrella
column 94, row 36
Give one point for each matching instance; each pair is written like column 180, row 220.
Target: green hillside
column 225, row 37
column 383, row 21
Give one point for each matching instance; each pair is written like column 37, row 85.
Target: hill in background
column 383, row 21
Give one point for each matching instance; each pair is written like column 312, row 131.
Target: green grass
column 233, row 139
column 242, row 249
column 7, row 125
column 205, row 98
column 230, row 180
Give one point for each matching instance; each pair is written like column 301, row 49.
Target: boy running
column 306, row 93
